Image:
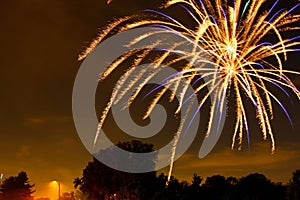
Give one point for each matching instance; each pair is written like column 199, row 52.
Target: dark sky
column 40, row 42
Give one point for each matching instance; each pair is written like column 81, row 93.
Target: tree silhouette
column 174, row 188
column 193, row 191
column 217, row 187
column 296, row 177
column 102, row 182
column 160, row 192
column 258, row 187
column 293, row 189
column 69, row 196
column 16, row 188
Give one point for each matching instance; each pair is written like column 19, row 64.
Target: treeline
column 99, row 182
column 123, row 186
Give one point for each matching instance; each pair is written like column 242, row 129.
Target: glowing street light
column 58, row 183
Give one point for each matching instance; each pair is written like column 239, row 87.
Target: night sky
column 40, row 42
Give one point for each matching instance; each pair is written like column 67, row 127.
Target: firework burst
column 235, row 37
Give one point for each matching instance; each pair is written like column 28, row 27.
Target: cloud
column 278, row 167
column 23, row 151
column 47, row 119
